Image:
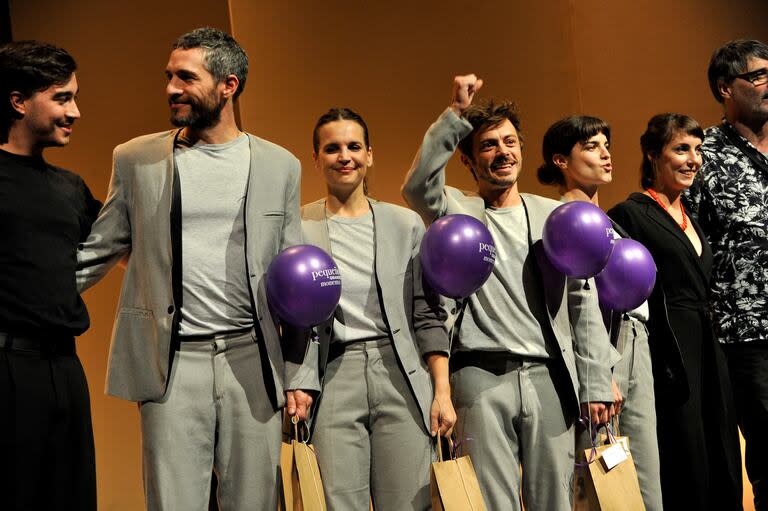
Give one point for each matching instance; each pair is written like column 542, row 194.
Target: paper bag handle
column 451, row 450
column 303, row 438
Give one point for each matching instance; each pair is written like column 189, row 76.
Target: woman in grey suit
column 577, row 160
column 384, row 354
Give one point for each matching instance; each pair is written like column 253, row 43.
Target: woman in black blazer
column 698, row 439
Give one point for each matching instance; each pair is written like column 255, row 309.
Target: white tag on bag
column 614, row 455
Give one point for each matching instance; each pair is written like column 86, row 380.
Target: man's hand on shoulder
column 464, row 88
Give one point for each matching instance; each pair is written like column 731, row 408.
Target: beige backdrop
column 391, row 61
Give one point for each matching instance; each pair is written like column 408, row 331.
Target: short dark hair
column 29, row 67
column 660, row 131
column 222, row 55
column 338, row 114
column 488, row 113
column 732, row 59
column 561, row 138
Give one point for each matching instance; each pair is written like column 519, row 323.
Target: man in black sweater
column 46, row 438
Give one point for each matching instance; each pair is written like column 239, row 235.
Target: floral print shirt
column 729, row 198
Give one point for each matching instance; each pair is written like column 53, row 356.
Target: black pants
column 748, row 366
column 46, row 438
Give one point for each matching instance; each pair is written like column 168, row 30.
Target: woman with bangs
column 698, row 439
column 577, row 160
column 384, row 354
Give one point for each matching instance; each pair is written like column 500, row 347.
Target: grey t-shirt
column 358, row 316
column 213, row 180
column 499, row 317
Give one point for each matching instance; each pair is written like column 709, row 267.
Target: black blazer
column 682, row 282
column 680, row 298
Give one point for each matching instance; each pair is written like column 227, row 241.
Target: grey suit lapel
column 384, row 231
column 535, row 218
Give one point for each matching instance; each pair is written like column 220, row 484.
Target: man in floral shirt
column 730, row 201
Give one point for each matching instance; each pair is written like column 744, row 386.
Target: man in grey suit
column 530, row 345
column 199, row 212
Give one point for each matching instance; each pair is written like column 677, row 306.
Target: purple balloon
column 578, row 239
column 303, row 285
column 457, row 255
column 628, row 278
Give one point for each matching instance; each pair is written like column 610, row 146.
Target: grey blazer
column 135, row 222
column 410, row 309
column 585, row 350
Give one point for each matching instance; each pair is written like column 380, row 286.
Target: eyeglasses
column 756, row 77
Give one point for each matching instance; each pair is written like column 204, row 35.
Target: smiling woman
column 383, row 355
column 343, row 157
column 698, row 440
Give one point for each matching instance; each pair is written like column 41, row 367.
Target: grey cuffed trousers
column 634, row 376
column 369, row 434
column 512, row 417
column 216, row 414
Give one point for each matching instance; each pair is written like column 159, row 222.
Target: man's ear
column 17, row 101
column 468, row 163
column 231, row 85
column 724, row 89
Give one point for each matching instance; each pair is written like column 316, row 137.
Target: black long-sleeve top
column 45, row 211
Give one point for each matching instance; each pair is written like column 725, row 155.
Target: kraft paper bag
column 607, row 479
column 453, row 483
column 301, row 483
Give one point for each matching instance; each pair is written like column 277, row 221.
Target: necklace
column 684, row 224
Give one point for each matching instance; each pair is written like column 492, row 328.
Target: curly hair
column 488, row 114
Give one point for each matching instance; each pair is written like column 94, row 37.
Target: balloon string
column 592, row 428
column 589, row 400
column 461, row 303
column 458, row 447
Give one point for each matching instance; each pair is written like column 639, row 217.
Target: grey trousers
column 215, row 414
column 634, row 376
column 512, row 417
column 369, row 435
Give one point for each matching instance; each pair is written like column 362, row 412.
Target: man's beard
column 504, row 182
column 203, row 114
